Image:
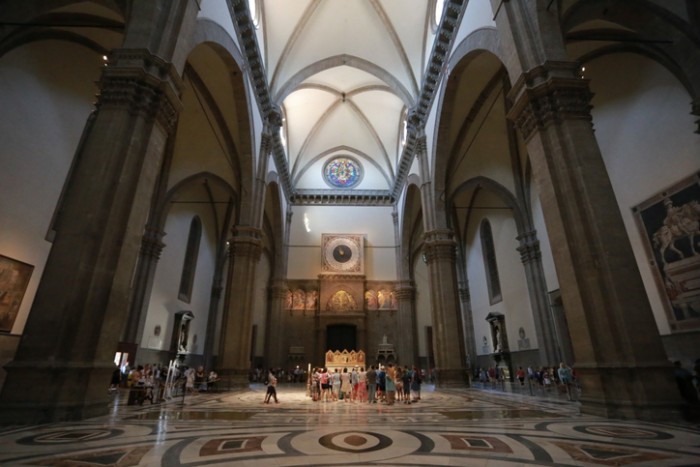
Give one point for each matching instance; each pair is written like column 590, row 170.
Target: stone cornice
column 342, row 277
column 418, row 115
column 141, row 83
column 245, row 31
column 343, row 197
column 548, row 94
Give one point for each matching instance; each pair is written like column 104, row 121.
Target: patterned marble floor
column 451, row 427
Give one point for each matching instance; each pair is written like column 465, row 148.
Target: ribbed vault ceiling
column 344, row 73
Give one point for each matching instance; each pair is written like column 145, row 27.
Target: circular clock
column 342, row 254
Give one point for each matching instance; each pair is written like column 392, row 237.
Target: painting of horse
column 670, row 225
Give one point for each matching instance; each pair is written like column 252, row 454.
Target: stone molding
column 217, row 292
column 343, row 197
column 464, row 294
column 342, row 277
column 529, row 247
column 547, row 94
column 440, row 245
column 141, row 83
column 246, row 243
column 151, row 243
column 405, row 293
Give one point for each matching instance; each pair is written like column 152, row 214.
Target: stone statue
column 497, row 344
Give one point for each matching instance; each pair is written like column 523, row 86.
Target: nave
column 466, row 427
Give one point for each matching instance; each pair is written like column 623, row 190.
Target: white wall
column 260, row 302
column 375, row 222
column 424, row 314
column 646, row 135
column 46, row 94
column 550, row 272
column 164, row 302
column 515, row 305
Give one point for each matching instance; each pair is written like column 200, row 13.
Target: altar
column 345, row 359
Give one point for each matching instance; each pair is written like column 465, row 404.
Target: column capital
column 217, row 292
column 464, row 294
column 439, row 245
column 278, row 289
column 141, row 83
column 547, row 94
column 695, row 110
column 151, row 242
column 529, row 246
column 246, row 242
column 405, row 291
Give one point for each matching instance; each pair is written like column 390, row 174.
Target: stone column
column 619, row 355
column 531, row 258
column 236, row 325
column 440, row 252
column 83, row 299
column 406, row 346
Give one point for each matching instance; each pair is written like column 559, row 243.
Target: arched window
column 489, row 253
column 190, row 265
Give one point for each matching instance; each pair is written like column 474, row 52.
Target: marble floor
column 477, row 426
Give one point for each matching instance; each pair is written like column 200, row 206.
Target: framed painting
column 14, row 278
column 669, row 222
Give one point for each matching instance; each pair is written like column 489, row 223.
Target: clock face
column 342, row 254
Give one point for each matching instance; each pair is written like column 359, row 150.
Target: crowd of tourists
column 384, row 384
column 156, row 382
column 548, row 378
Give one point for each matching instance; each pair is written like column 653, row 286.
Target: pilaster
column 151, row 248
column 405, row 294
column 277, row 348
column 531, row 257
column 468, row 325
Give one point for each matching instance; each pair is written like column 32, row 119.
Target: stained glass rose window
column 342, row 172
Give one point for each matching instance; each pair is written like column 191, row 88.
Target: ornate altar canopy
column 345, row 359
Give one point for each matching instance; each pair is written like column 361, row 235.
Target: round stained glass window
column 342, row 172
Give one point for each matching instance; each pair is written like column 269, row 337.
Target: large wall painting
column 670, row 224
column 14, row 278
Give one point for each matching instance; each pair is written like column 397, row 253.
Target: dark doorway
column 341, row 337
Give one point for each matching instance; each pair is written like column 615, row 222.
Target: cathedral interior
column 252, row 184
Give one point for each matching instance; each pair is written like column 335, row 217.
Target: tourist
column 345, row 386
column 271, row 388
column 372, row 385
column 362, row 385
column 390, row 384
column 335, row 385
column 416, row 382
column 406, row 385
